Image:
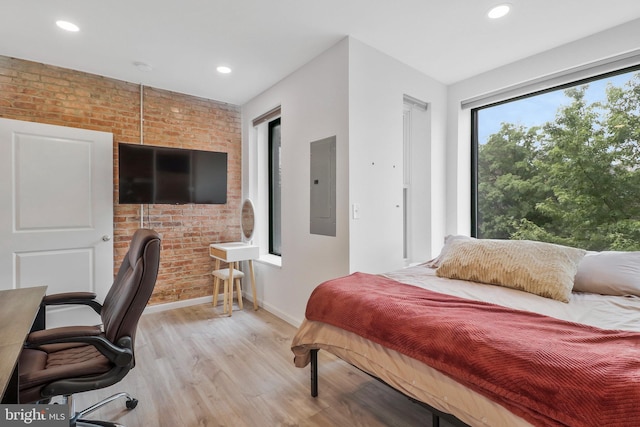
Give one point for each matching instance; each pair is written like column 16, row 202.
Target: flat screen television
column 160, row 175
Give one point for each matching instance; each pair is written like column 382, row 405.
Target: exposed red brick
column 42, row 93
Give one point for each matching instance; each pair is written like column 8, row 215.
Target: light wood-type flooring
column 195, row 367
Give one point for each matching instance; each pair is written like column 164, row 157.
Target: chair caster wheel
column 132, row 403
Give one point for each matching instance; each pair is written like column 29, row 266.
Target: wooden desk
column 18, row 309
column 233, row 252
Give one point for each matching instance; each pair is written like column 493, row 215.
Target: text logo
column 34, row 415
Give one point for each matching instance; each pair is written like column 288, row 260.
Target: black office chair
column 74, row 359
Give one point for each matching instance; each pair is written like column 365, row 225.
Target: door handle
column 106, row 238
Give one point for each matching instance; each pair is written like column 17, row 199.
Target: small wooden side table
column 233, row 253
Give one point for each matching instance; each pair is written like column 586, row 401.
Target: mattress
column 428, row 385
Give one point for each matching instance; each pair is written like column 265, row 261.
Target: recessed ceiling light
column 499, row 11
column 223, row 69
column 69, row 26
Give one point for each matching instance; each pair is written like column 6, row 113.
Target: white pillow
column 609, row 273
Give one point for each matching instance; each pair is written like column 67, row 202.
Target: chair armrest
column 48, row 336
column 83, row 298
column 64, row 298
column 120, row 356
column 61, row 297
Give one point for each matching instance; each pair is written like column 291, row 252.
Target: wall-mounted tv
column 160, row 175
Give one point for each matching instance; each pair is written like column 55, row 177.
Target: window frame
column 474, row 129
column 275, row 227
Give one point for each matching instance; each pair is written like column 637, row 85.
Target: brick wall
column 47, row 94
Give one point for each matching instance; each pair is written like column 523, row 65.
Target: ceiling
column 265, row 40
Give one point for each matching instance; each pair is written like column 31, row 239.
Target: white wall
column 356, row 93
column 619, row 40
column 377, row 85
column 314, row 104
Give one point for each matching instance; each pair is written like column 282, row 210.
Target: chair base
column 76, row 417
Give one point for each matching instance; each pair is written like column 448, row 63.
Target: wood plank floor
column 197, row 368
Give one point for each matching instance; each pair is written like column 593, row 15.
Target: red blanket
column 548, row 371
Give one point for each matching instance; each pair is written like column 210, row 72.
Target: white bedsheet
column 602, row 311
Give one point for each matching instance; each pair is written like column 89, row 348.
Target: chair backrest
column 132, row 286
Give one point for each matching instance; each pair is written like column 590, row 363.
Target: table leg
column 253, row 285
column 238, row 288
column 12, row 393
column 216, row 283
column 225, row 297
column 230, row 288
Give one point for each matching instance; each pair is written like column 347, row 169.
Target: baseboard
column 184, row 303
column 207, row 300
column 284, row 316
column 176, row 304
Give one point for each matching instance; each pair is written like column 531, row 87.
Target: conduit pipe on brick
column 141, row 143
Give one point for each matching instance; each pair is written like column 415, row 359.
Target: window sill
column 269, row 259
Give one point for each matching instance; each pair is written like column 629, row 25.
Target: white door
column 56, row 212
column 417, row 183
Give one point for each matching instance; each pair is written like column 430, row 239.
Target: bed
column 492, row 354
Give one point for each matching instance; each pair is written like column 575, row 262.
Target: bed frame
column 436, row 414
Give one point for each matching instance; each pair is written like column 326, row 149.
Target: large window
column 275, row 189
column 561, row 166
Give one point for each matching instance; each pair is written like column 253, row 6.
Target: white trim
column 585, row 71
column 176, row 304
column 194, row 301
column 270, row 259
column 281, row 315
column 415, row 102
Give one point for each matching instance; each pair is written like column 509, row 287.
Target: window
column 275, row 190
column 561, row 165
column 265, row 183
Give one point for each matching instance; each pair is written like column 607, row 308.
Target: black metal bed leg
column 314, row 373
column 435, row 420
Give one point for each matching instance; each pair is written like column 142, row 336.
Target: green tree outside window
column 574, row 180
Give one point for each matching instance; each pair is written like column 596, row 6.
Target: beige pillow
column 434, row 263
column 609, row 273
column 540, row 268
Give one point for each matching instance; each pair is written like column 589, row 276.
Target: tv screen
column 149, row 174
